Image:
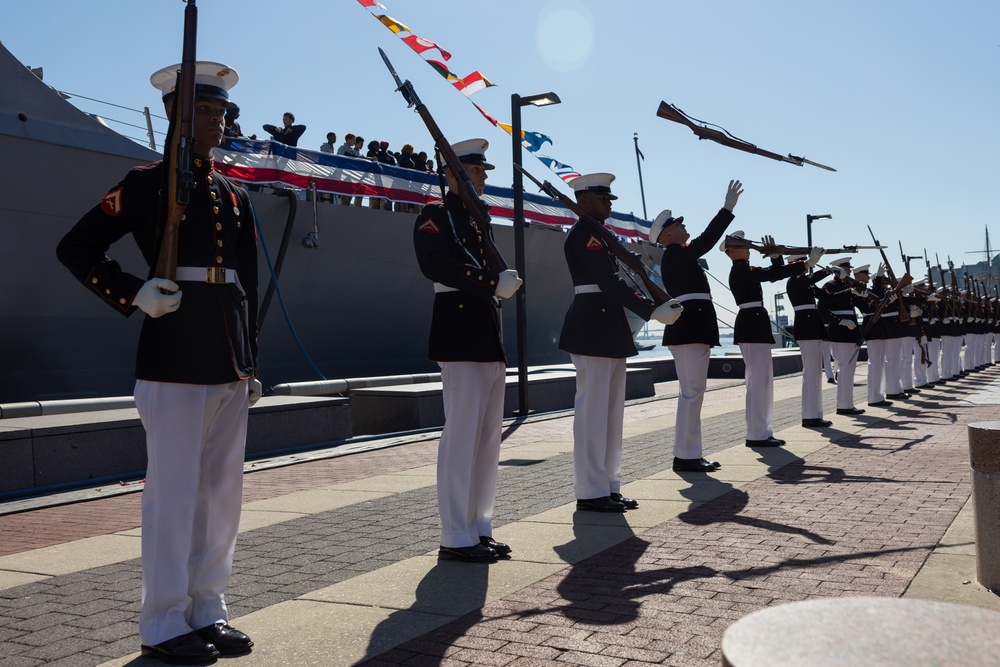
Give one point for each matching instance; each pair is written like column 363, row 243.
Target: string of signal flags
column 437, row 57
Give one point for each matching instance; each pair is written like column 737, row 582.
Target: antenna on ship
column 989, row 251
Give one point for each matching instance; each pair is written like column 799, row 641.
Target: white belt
column 751, row 304
column 206, row 274
column 805, row 306
column 587, row 289
column 842, row 312
column 694, row 296
column 438, row 288
column 890, row 313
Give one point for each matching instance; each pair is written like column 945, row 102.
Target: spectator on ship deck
column 232, row 128
column 372, row 153
column 348, row 147
column 374, row 147
column 405, row 159
column 420, row 161
column 288, row 134
column 383, row 155
column 330, row 145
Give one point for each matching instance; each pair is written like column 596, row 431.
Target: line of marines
column 197, row 363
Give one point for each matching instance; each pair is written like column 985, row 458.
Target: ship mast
column 990, row 279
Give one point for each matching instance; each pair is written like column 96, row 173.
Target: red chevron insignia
column 112, row 202
column 429, row 227
column 594, row 244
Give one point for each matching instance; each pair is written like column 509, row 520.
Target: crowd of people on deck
column 197, row 362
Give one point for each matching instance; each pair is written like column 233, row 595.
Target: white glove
column 157, row 297
column 862, row 293
column 933, row 320
column 850, row 324
column 839, row 271
column 908, row 290
column 733, row 195
column 923, row 340
column 668, row 312
column 945, row 320
column 915, row 311
column 508, row 283
column 881, row 271
column 768, row 241
column 892, row 298
column 255, row 389
column 933, row 297
column 814, row 256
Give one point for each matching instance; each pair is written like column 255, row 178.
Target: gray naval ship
column 351, row 301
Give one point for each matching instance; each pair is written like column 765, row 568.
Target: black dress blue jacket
column 450, row 249
column 595, row 324
column 212, row 337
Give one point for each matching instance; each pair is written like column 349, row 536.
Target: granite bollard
column 984, row 457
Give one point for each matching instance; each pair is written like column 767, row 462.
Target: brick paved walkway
column 858, row 516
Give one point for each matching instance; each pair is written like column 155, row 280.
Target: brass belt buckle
column 216, row 274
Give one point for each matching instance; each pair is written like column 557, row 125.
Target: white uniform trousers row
column 598, row 419
column 876, row 370
column 893, row 365
column 828, row 360
column 469, row 452
column 920, row 369
column 934, row 354
column 691, row 364
column 195, row 443
column 812, row 378
column 906, row 361
column 759, row 380
column 951, row 362
column 969, row 358
column 847, row 361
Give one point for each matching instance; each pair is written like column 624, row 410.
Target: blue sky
column 902, row 98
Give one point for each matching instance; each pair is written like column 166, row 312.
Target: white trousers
column 919, row 367
column 876, row 370
column 968, row 358
column 598, row 419
column 847, row 361
column 195, row 443
column 812, row 378
column 828, row 359
column 996, row 348
column 469, row 452
column 893, row 365
column 950, row 356
column 906, row 361
column 691, row 364
column 759, row 380
column 934, row 354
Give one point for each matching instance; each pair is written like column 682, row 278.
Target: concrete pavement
column 336, row 558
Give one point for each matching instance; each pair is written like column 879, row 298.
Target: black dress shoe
column 629, row 503
column 766, row 442
column 912, row 390
column 929, row 385
column 477, row 553
column 501, row 548
column 902, row 396
column 189, row 649
column 850, row 411
column 816, row 422
column 881, row 404
column 226, row 638
column 831, row 381
column 604, row 504
column 695, row 465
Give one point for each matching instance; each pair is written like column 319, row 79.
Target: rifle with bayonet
column 178, row 152
column 896, row 285
column 478, row 210
column 738, row 242
column 630, row 259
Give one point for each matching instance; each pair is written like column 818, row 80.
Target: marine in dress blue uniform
column 195, row 364
column 810, row 335
column 752, row 332
column 598, row 337
column 836, row 303
column 692, row 336
column 465, row 341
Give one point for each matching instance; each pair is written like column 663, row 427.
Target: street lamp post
column 809, row 229
column 520, row 298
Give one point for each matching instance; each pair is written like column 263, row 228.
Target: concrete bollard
column 984, row 456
